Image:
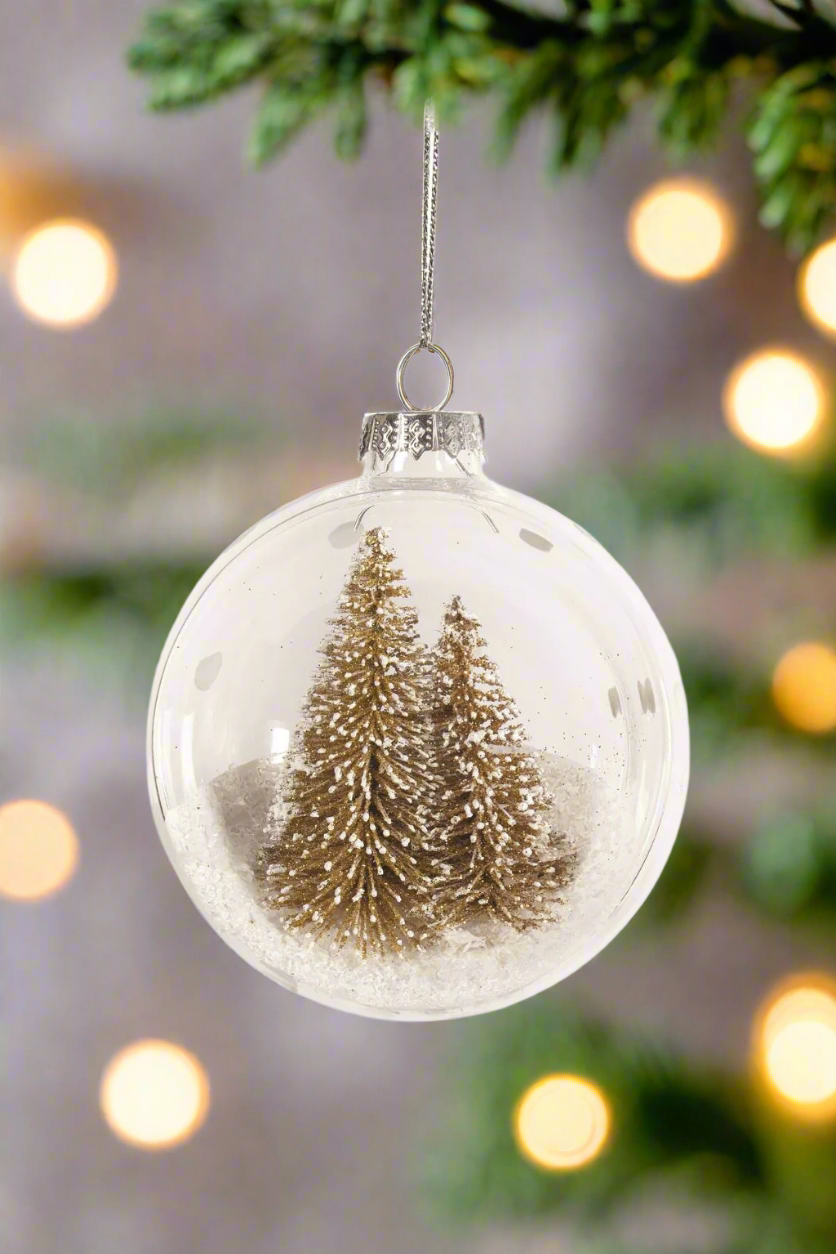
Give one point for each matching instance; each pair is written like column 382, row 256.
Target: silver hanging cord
column 429, row 202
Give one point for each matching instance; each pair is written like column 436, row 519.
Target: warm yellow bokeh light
column 773, row 401
column 64, row 273
column 38, row 850
column 154, row 1094
column 817, row 287
column 804, row 687
column 679, row 231
column 562, row 1122
column 795, row 1045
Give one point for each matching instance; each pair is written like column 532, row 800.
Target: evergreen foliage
column 586, row 64
column 670, row 1120
column 682, row 1134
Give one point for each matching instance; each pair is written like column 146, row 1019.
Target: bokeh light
column 804, row 687
column 64, row 273
column 562, row 1122
column 773, row 401
column 38, row 850
column 154, row 1094
column 817, row 287
column 795, row 1045
column 679, row 231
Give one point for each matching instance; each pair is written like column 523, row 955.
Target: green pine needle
column 586, row 66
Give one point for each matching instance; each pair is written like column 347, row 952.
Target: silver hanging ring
column 399, row 374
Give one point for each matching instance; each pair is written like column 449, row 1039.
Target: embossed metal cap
column 459, row 434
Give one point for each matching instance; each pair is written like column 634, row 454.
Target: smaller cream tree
column 503, row 860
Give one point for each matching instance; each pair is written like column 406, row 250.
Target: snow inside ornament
column 418, row 747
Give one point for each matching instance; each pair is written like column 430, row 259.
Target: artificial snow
column 213, row 839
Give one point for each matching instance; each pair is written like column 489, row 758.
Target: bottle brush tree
column 350, row 855
column 504, row 861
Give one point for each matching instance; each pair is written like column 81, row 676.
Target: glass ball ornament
column 518, row 851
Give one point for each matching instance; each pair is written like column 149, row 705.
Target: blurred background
column 185, row 346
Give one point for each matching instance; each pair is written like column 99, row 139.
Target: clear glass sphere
column 577, row 650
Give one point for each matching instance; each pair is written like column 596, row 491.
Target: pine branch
column 585, row 68
column 670, row 1120
column 789, row 867
column 108, row 461
column 726, row 502
column 109, row 619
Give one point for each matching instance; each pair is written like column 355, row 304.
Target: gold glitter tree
column 351, row 856
column 503, row 859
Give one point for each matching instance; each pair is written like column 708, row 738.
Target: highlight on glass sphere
column 795, row 1045
column 774, row 401
column 679, row 230
column 418, row 746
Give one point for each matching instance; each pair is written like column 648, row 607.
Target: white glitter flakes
column 213, row 839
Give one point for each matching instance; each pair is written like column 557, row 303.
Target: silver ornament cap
column 401, row 435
